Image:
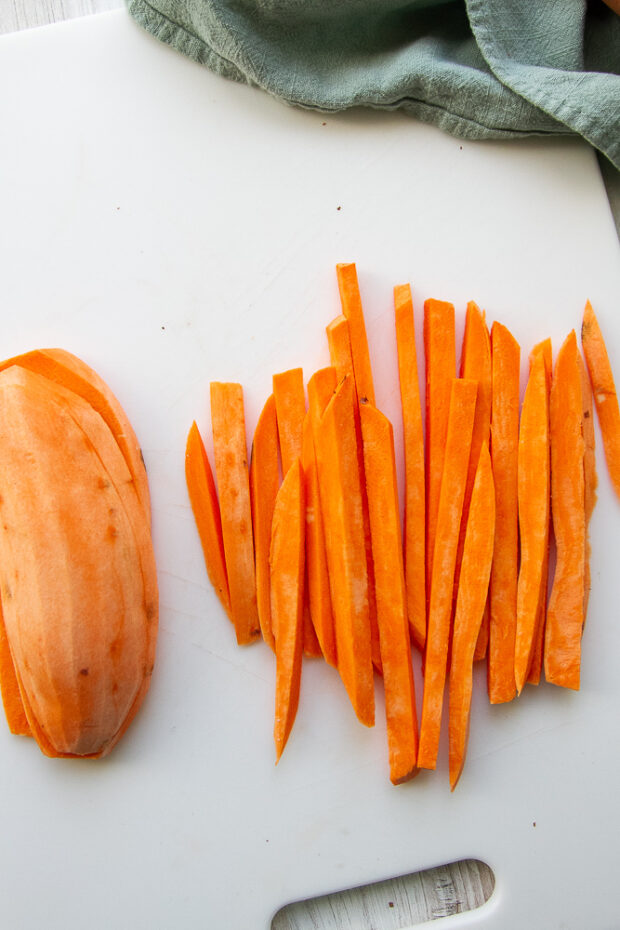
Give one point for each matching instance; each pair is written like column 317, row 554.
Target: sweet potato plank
column 338, row 467
column 287, row 598
column 414, row 521
column 206, row 510
column 504, row 459
column 476, row 363
column 400, row 708
column 535, row 669
column 604, row 392
column 564, row 627
column 352, row 309
column 290, row 400
column 533, row 497
column 341, row 357
column 264, row 484
column 589, row 471
column 470, row 604
column 457, row 449
column 317, row 575
column 232, row 474
column 440, row 356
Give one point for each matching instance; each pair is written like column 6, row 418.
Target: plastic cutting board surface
column 173, row 228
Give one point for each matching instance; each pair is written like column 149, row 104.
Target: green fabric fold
column 479, row 69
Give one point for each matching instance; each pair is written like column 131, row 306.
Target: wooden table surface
column 388, row 905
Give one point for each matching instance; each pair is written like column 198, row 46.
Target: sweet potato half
column 77, row 571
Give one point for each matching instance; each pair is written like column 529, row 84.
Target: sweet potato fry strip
column 589, row 469
column 604, row 391
column 535, row 669
column 351, row 302
column 470, row 604
column 440, row 355
column 206, row 510
column 414, row 523
column 264, row 483
column 287, row 598
column 341, row 357
column 317, row 576
column 290, row 398
column 232, row 473
column 504, row 459
column 457, row 448
column 476, row 363
column 338, row 467
column 533, row 497
column 566, row 602
column 400, row 709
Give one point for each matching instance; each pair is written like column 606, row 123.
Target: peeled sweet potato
column 77, row 571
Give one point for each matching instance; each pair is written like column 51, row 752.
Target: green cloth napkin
column 480, row 69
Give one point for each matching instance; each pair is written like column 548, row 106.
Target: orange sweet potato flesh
column 414, row 522
column 343, row 518
column 535, row 669
column 206, row 510
column 264, row 483
column 506, row 355
column 533, row 497
column 75, row 375
column 476, row 561
column 457, row 448
column 287, row 598
column 440, row 356
column 604, row 391
column 562, row 653
column 352, row 309
column 341, row 349
column 232, row 474
column 383, row 508
column 74, row 530
column 476, row 363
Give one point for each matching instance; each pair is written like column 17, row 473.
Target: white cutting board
column 173, row 228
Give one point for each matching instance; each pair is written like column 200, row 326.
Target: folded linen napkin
column 479, row 69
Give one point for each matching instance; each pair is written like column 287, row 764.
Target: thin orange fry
column 562, row 657
column 440, row 355
column 470, row 604
column 604, row 392
column 352, row 309
column 383, row 507
column 264, row 483
column 476, row 363
column 535, row 669
column 338, row 467
column 287, row 598
column 414, row 523
column 504, row 458
column 533, row 497
column 206, row 510
column 457, row 447
column 290, row 397
column 589, row 469
column 232, row 473
column 341, row 357
column 317, row 575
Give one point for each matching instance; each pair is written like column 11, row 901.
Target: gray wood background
column 388, row 905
